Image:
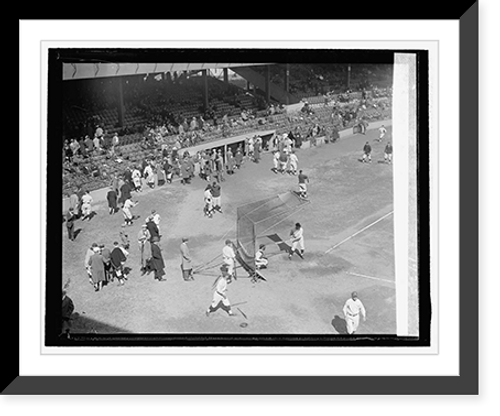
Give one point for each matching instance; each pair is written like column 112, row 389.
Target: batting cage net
column 262, row 219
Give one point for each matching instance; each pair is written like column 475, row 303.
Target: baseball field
column 349, row 246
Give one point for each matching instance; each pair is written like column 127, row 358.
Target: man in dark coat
column 112, row 198
column 152, row 227
column 125, row 192
column 118, row 258
column 156, row 263
column 127, row 177
column 70, row 224
column 67, row 310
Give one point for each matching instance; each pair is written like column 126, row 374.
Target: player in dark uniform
column 367, row 150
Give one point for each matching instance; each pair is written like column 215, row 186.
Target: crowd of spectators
column 95, row 151
column 91, row 162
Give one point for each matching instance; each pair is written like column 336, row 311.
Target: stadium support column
column 226, row 76
column 348, row 75
column 268, row 89
column 120, row 106
column 205, row 89
column 287, row 82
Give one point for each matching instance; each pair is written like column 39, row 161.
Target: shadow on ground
column 339, row 324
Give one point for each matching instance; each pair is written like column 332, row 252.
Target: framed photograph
column 255, row 216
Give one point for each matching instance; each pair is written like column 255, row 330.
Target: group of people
column 86, row 146
column 367, row 148
column 104, row 264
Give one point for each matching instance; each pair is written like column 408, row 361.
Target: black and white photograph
column 279, row 200
column 248, row 207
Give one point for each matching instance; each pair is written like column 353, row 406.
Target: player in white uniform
column 220, row 298
column 229, row 259
column 294, row 163
column 86, row 206
column 297, row 241
column 208, row 200
column 352, row 309
column 382, row 130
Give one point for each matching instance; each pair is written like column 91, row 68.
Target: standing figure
column 90, row 252
column 127, row 213
column 96, row 263
column 229, row 259
column 207, row 171
column 293, row 162
column 283, row 159
column 186, row 171
column 136, row 178
column 127, row 176
column 144, row 248
column 219, row 167
column 112, row 200
column 230, row 162
column 216, row 195
column 186, row 261
column 303, row 181
column 276, row 161
column 238, row 158
column 74, row 202
column 157, row 263
column 367, row 150
column 297, row 241
column 156, row 219
column 388, row 153
column 257, row 150
column 125, row 192
column 106, row 257
column 220, row 299
column 149, row 175
column 152, row 228
column 381, row 132
column 118, row 259
column 353, row 307
column 167, row 167
column 70, row 223
column 67, row 310
column 208, row 202
column 86, row 206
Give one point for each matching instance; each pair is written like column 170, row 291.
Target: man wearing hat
column 220, row 299
column 353, row 307
column 186, row 261
column 157, row 264
column 152, row 227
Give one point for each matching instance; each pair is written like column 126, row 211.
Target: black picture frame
column 466, row 383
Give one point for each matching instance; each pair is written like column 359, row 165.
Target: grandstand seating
column 154, row 103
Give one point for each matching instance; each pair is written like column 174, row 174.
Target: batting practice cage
column 260, row 221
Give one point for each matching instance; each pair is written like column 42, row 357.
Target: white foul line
column 356, row 233
column 374, row 278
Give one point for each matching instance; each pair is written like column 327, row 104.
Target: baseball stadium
column 175, row 120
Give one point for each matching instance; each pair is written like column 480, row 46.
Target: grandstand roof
column 72, row 71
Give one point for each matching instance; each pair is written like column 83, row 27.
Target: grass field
column 299, row 296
